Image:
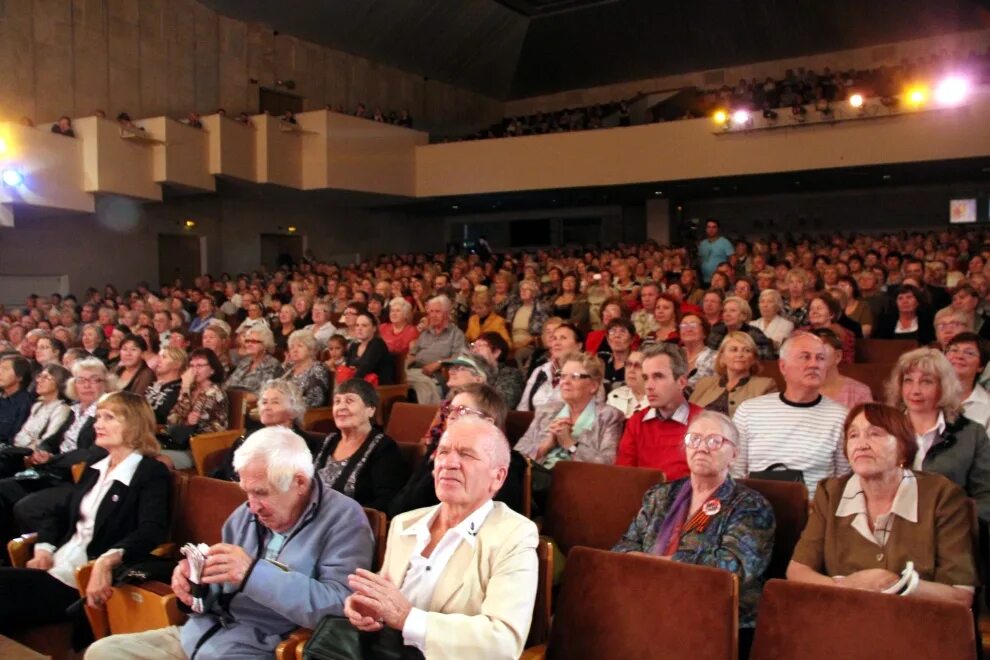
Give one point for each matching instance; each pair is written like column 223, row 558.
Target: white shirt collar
column 467, row 529
column 853, row 503
column 124, row 471
column 978, row 395
column 680, row 415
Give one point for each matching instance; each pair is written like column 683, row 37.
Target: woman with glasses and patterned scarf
column 708, row 518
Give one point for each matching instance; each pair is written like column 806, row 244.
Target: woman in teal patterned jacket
column 707, row 518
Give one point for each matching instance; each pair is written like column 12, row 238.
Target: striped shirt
column 805, row 437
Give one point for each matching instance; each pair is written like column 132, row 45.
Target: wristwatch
column 572, row 449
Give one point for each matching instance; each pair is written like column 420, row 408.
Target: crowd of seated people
column 625, row 356
column 798, row 86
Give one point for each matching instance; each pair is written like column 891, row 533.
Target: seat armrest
column 534, row 653
column 21, row 549
column 97, row 616
column 291, row 647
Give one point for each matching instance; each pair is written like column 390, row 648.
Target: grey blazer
column 596, row 445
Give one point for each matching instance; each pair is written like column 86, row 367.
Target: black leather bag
column 778, row 472
column 336, row 639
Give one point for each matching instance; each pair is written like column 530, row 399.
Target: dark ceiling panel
column 639, row 39
column 488, row 47
column 474, row 44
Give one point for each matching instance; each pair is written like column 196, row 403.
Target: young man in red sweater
column 654, row 437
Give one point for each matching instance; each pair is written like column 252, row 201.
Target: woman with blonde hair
column 127, row 491
column 736, row 376
column 925, row 387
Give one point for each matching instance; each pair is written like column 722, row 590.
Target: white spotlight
column 952, row 91
column 12, row 178
column 740, row 117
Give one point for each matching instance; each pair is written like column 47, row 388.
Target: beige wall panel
column 180, row 36
column 17, row 97
column 153, row 58
column 207, row 62
column 124, row 58
column 90, row 85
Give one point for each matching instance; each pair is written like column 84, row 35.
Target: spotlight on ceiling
column 952, row 91
column 720, row 117
column 856, row 100
column 916, row 96
column 12, row 178
column 740, row 117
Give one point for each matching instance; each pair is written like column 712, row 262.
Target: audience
column 467, row 545
column 15, row 400
column 868, row 527
column 283, row 562
column 654, row 437
column 630, row 398
column 736, row 377
column 116, row 515
column 438, row 341
column 578, row 427
column 200, row 408
column 368, row 354
column 257, row 364
column 543, row 385
column 305, row 371
column 798, row 428
column 842, row 389
column 399, row 332
column 924, row 385
column 359, row 460
column 707, row 518
column 967, row 354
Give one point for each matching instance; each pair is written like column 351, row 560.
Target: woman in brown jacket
column 735, row 379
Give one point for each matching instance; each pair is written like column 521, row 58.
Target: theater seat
column 592, row 505
column 615, row 605
column 516, row 423
column 790, row 508
column 315, row 415
column 817, row 622
column 884, row 351
column 874, row 375
column 409, row 422
column 207, row 448
column 388, row 396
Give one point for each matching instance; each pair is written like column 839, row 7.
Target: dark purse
column 336, row 639
column 778, row 472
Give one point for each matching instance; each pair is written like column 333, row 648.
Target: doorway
column 281, row 250
column 179, row 257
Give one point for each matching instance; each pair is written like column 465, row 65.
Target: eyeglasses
column 91, row 380
column 617, row 330
column 457, row 412
column 572, row 375
column 948, row 324
column 479, row 344
column 690, row 325
column 199, row 365
column 712, row 441
column 636, row 364
column 43, row 376
column 965, row 352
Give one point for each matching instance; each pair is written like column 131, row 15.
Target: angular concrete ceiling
column 518, row 48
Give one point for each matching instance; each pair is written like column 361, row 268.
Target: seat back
column 539, row 629
column 412, row 454
column 409, row 422
column 771, row 369
column 885, row 351
column 611, row 605
column 817, row 622
column 388, row 396
column 400, row 367
column 874, row 375
column 516, row 423
column 203, row 508
column 314, row 415
column 593, row 505
column 207, row 448
column 236, row 407
column 379, row 530
column 790, row 508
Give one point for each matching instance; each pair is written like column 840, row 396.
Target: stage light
column 952, row 91
column 3, row 146
column 916, row 96
column 12, row 178
column 292, row 229
column 740, row 117
column 720, row 117
column 190, row 224
column 856, row 100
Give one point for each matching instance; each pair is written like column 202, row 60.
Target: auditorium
column 494, row 329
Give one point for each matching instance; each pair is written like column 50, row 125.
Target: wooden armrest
column 534, row 653
column 165, row 550
column 97, row 616
column 291, row 647
column 20, row 549
column 146, row 606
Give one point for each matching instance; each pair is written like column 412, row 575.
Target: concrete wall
column 119, row 243
column 858, row 58
column 167, row 57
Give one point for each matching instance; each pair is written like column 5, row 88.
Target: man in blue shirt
column 713, row 250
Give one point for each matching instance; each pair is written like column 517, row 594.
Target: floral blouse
column 314, row 383
column 210, row 403
column 252, row 379
column 739, row 538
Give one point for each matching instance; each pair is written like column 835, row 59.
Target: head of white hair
column 294, row 399
column 283, row 453
column 494, row 443
column 441, row 300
